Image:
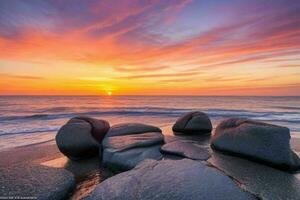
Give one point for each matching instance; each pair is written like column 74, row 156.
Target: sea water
column 28, row 120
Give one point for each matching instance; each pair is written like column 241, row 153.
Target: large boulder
column 126, row 145
column 169, row 179
column 99, row 127
column 257, row 141
column 81, row 137
column 123, row 153
column 193, row 122
column 38, row 182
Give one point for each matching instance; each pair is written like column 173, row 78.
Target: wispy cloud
column 189, row 41
column 13, row 76
column 162, row 75
column 140, row 68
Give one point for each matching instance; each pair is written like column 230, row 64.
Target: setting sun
column 109, row 93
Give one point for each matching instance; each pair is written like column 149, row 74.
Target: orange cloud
column 136, row 46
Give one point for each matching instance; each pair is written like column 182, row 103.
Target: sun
column 109, row 93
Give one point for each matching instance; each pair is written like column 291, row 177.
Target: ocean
column 28, row 120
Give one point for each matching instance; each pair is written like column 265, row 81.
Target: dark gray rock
column 169, row 179
column 193, row 122
column 131, row 128
column 128, row 159
column 38, row 182
column 81, row 136
column 131, row 141
column 257, row 141
column 186, row 149
column 266, row 182
column 125, row 152
column 99, row 126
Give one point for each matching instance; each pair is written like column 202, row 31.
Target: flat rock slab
column 202, row 140
column 38, row 182
column 186, row 149
column 122, row 153
column 130, row 129
column 120, row 143
column 169, row 179
column 128, row 159
column 266, row 182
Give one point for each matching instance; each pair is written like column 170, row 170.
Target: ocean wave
column 29, row 131
column 160, row 112
column 287, row 107
column 35, row 116
column 56, row 109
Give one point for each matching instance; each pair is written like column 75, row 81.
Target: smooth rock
column 257, row 141
column 131, row 128
column 266, row 182
column 193, row 122
column 169, row 179
column 186, row 149
column 74, row 140
column 99, row 126
column 131, row 141
column 122, row 153
column 38, row 182
column 128, row 159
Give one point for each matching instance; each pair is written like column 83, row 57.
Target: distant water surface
column 26, row 120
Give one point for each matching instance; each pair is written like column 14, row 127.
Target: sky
column 150, row 47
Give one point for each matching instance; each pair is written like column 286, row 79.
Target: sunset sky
column 128, row 47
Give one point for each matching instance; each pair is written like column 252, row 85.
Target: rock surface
column 131, row 128
column 99, row 127
column 38, row 182
column 193, row 122
column 169, row 179
column 81, row 136
column 266, row 182
column 257, row 141
column 126, row 151
column 131, row 141
column 186, row 149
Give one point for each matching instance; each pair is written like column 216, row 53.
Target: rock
column 81, row 137
column 193, row 122
column 257, row 141
column 122, row 153
column 131, row 128
column 169, row 179
column 37, row 182
column 131, row 141
column 266, row 182
column 186, row 149
column 99, row 127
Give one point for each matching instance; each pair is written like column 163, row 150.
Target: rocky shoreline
column 241, row 159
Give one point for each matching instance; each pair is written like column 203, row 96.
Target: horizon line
column 147, row 95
